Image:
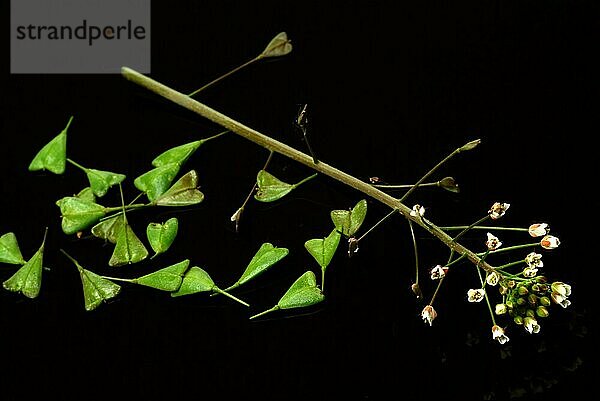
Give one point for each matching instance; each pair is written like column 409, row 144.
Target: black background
column 392, row 88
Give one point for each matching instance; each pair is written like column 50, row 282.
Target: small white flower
column 501, row 309
column 529, row 272
column 531, row 325
column 560, row 299
column 561, row 288
column 475, row 295
column 438, row 272
column 550, row 242
column 498, row 209
column 534, row 260
column 492, row 242
column 428, row 314
column 498, row 334
column 417, row 210
column 493, row 278
column 538, row 229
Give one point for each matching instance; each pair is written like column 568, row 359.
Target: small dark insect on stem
column 302, row 124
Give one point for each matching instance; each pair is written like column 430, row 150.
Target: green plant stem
column 512, row 248
column 218, row 79
column 387, row 216
column 133, row 206
column 220, row 291
column 463, row 232
column 214, row 136
column 240, row 210
column 72, row 259
column 291, row 153
column 485, row 295
column 273, row 309
column 418, row 183
column 414, row 241
column 406, row 186
column 127, row 280
column 518, row 262
column 79, row 166
column 455, row 228
column 296, row 185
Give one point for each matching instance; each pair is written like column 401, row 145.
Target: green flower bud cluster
column 525, row 299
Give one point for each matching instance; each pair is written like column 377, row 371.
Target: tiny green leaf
column 53, row 156
column 128, row 249
column 78, row 214
column 96, row 289
column 449, row 184
column 265, row 257
column 87, row 195
column 303, row 293
column 9, row 250
column 183, row 193
column 280, row 45
column 323, row 249
column 28, row 279
column 109, row 228
column 195, row 280
column 101, row 181
column 156, row 181
column 161, row 236
column 349, row 221
column 166, row 279
column 270, row 188
column 178, row 154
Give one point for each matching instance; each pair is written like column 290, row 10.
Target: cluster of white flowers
column 558, row 291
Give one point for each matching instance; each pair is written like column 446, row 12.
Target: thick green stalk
column 285, row 150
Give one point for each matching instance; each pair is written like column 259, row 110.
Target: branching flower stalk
column 300, row 157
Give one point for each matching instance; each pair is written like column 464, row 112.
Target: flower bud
column 522, row 290
column 541, row 279
column 545, row 301
column 416, row 290
column 498, row 209
column 542, row 311
column 550, row 242
column 518, row 320
column 501, row 309
column 532, row 299
column 521, row 301
column 428, row 314
column 511, row 283
column 538, row 230
column 531, row 325
column 530, row 313
column 510, row 304
column 470, row 145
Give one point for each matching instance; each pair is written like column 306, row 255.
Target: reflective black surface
column 392, row 88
